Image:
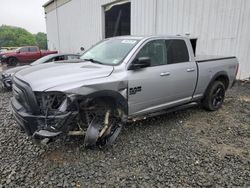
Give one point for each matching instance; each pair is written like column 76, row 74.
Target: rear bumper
column 32, row 123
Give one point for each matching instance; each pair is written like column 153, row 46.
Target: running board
column 177, row 108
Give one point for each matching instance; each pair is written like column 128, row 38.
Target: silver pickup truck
column 118, row 80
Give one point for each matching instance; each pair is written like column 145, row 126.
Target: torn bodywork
column 50, row 114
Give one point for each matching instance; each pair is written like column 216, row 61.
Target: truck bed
column 210, row 66
column 205, row 58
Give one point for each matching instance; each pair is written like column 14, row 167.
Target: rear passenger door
column 23, row 54
column 182, row 71
column 33, row 53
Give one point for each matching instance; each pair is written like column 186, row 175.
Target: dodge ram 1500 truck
column 25, row 54
column 119, row 80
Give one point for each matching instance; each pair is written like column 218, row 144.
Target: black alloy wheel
column 214, row 97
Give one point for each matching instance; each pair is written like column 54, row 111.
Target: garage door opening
column 194, row 43
column 117, row 19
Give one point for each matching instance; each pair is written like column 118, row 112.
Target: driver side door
column 22, row 54
column 147, row 86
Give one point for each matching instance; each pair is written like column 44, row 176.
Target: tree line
column 11, row 36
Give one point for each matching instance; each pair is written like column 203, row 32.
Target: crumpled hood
column 46, row 76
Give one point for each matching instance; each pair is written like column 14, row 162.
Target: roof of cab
column 148, row 37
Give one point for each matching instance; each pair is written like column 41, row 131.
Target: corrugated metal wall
column 221, row 26
column 77, row 23
column 52, row 32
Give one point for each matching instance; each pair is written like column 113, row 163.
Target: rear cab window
column 177, row 51
column 33, row 49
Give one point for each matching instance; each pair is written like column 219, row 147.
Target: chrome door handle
column 165, row 74
column 191, row 70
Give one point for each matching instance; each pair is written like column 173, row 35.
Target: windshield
column 42, row 60
column 110, row 52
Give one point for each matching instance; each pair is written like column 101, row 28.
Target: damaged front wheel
column 104, row 125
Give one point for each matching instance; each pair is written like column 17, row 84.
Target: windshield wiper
column 93, row 61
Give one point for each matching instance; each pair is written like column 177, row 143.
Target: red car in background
column 25, row 54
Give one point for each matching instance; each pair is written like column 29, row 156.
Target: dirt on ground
column 191, row 148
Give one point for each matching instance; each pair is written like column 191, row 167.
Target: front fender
column 119, row 97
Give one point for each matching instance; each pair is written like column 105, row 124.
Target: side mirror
column 139, row 63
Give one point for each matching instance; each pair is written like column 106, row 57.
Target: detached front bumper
column 7, row 82
column 32, row 124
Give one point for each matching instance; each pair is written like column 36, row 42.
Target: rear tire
column 214, row 97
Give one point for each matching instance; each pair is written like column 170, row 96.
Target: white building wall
column 221, row 26
column 143, row 17
column 75, row 24
column 52, row 32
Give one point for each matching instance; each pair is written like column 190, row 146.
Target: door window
column 25, row 49
column 59, row 58
column 33, row 49
column 50, row 60
column 177, row 51
column 70, row 57
column 155, row 50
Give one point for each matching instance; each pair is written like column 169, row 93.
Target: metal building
column 221, row 27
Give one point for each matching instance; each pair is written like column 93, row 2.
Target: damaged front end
column 49, row 114
column 43, row 115
column 6, row 82
column 59, row 112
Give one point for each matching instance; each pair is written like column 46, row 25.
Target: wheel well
column 109, row 97
column 112, row 101
column 220, row 77
column 106, row 100
column 7, row 60
column 224, row 79
column 11, row 57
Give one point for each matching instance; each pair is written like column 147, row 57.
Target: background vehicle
column 120, row 79
column 5, row 49
column 25, row 54
column 7, row 75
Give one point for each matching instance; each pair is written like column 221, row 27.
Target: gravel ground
column 191, row 148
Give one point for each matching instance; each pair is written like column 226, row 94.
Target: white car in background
column 7, row 75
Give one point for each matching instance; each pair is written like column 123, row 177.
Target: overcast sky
column 28, row 14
